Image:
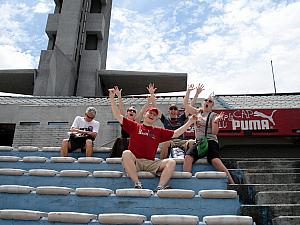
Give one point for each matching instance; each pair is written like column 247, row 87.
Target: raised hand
column 219, row 117
column 190, row 87
column 200, row 88
column 151, row 88
column 112, row 92
column 193, row 118
column 118, row 91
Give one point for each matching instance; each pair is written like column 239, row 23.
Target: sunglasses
column 131, row 110
column 208, row 100
column 173, row 108
column 89, row 117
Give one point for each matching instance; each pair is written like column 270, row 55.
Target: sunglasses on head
column 208, row 100
column 172, row 108
column 131, row 110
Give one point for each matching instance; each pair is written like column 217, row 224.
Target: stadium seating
column 39, row 187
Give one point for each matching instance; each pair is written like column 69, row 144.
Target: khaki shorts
column 179, row 143
column 148, row 165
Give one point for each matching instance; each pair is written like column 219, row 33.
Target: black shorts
column 77, row 143
column 212, row 152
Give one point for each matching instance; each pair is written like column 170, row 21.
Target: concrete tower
column 77, row 48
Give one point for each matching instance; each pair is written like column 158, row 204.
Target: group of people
column 139, row 141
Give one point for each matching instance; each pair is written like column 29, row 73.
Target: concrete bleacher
column 269, row 189
column 38, row 187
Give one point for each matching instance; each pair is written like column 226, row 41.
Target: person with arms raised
column 144, row 140
column 205, row 117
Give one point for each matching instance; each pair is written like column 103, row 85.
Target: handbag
column 202, row 145
column 177, row 153
column 177, row 148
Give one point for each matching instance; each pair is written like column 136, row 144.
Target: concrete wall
column 17, row 81
column 50, row 124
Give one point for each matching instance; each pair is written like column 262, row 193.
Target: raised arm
column 184, row 127
column 188, row 108
column 115, row 110
column 120, row 101
column 152, row 99
column 199, row 89
column 215, row 123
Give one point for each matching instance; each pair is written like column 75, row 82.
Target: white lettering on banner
column 243, row 119
column 250, row 124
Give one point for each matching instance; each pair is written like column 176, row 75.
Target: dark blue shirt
column 174, row 123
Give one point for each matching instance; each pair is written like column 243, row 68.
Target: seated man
column 122, row 142
column 143, row 143
column 174, row 120
column 83, row 132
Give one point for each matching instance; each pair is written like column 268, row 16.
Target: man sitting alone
column 83, row 132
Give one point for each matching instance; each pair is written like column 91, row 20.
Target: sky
column 225, row 45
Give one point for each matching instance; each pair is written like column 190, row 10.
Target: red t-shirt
column 144, row 139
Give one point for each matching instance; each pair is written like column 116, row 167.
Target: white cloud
column 12, row 33
column 228, row 49
column 43, row 6
column 13, row 58
column 20, row 43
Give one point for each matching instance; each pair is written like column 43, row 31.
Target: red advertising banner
column 259, row 122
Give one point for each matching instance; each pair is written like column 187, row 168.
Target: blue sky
column 227, row 45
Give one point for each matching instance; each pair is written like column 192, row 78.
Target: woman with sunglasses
column 122, row 142
column 213, row 153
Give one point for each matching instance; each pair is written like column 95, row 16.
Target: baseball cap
column 151, row 108
column 173, row 106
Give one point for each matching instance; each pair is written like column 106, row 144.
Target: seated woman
column 122, row 142
column 205, row 117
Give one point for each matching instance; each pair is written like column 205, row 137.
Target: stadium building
column 259, row 137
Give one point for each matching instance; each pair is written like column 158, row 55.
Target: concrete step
column 239, row 174
column 148, row 206
column 277, row 197
column 231, row 163
column 272, row 178
column 192, row 183
column 247, row 192
column 264, row 214
column 286, row 220
column 270, row 164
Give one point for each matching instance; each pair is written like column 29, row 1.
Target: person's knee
column 188, row 158
column 89, row 143
column 127, row 154
column 215, row 161
column 65, row 142
column 171, row 163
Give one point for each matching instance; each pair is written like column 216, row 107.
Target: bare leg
column 218, row 164
column 128, row 161
column 64, row 147
column 167, row 167
column 165, row 150
column 88, row 148
column 188, row 163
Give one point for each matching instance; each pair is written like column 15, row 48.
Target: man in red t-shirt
column 144, row 140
